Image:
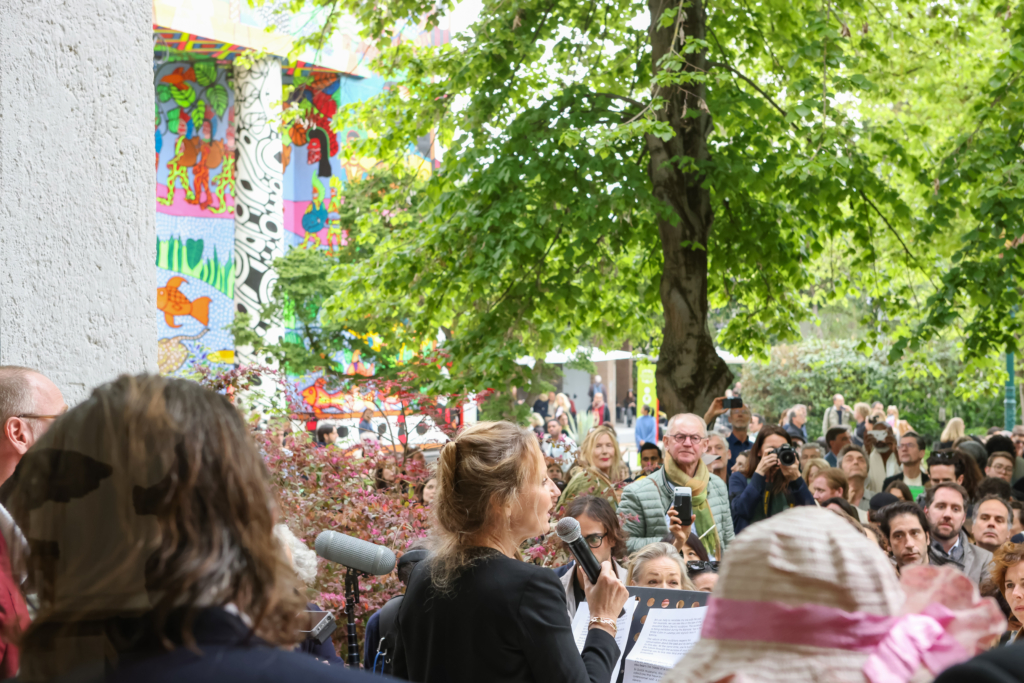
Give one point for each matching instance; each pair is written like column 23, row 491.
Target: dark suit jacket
column 1000, row 665
column 899, row 477
column 229, row 654
column 504, row 620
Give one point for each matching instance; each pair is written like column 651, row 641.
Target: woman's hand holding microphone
column 605, row 598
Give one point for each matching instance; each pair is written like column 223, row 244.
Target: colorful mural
column 232, row 193
column 195, row 222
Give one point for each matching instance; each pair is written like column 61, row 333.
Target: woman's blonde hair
column 585, row 459
column 482, row 470
column 953, row 430
column 656, row 551
column 562, row 401
column 820, row 463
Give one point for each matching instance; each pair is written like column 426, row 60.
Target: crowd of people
column 140, row 538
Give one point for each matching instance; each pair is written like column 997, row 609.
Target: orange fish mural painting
column 174, row 303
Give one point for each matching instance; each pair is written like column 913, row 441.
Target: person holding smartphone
column 773, row 484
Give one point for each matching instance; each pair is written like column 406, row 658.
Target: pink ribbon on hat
column 896, row 646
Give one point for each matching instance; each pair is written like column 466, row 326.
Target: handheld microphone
column 568, row 529
column 354, row 553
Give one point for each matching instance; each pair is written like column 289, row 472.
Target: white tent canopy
column 595, row 355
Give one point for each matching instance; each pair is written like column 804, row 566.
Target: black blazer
column 228, row 653
column 504, row 620
column 1001, row 665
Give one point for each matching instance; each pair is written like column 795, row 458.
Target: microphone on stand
column 568, row 529
column 357, row 556
column 355, row 553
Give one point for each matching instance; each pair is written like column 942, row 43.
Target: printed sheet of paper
column 581, row 626
column 667, row 635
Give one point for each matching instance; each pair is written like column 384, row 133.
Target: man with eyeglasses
column 1000, row 465
column 910, row 453
column 29, row 403
column 647, row 504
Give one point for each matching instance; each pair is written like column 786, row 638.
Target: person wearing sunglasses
column 703, row 574
column 600, row 528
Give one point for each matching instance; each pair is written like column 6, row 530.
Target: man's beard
column 939, row 535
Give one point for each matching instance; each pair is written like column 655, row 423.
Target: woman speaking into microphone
column 474, row 611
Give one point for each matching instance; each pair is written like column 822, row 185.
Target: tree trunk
column 689, row 372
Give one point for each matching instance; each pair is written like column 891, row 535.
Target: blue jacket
column 737, row 482
column 744, row 505
column 645, row 430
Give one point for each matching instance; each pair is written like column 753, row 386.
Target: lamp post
column 1010, row 402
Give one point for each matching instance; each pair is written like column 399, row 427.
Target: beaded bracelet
column 606, row 622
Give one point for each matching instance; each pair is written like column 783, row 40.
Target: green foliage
column 811, row 373
column 860, row 155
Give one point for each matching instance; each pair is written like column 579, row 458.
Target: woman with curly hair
column 599, row 469
column 151, row 519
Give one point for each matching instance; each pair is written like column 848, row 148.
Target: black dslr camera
column 787, row 456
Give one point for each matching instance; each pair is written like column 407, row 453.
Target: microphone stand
column 351, row 598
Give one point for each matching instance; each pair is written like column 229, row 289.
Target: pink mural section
column 194, row 154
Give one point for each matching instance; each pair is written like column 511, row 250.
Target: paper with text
column 667, row 635
column 581, row 626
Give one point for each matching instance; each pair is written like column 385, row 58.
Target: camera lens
column 787, row 456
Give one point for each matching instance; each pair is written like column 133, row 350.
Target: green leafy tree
column 618, row 170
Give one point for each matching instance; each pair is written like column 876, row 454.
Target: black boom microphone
column 568, row 529
column 358, row 556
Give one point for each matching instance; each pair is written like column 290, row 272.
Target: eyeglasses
column 683, row 438
column 1005, row 469
column 698, row 566
column 594, row 540
column 39, row 417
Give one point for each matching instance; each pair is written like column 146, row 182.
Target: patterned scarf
column 698, row 484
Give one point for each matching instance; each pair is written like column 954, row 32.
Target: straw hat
column 803, row 559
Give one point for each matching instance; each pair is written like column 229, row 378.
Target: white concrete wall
column 77, row 234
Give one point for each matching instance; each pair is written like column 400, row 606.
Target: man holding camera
column 739, row 417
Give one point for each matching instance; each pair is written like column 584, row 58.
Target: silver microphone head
column 568, row 529
column 355, row 553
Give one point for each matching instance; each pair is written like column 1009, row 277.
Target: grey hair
column 303, row 559
column 1009, row 508
column 698, row 418
column 657, row 551
column 15, row 391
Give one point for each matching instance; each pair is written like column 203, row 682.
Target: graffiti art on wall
column 259, row 216
column 195, row 214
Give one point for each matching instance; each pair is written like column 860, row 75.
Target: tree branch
column 752, row 84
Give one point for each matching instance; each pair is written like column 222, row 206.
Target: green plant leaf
column 184, row 97
column 206, row 72
column 218, row 96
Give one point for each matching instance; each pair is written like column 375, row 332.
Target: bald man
column 29, row 403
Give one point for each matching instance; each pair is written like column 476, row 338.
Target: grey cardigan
column 649, row 500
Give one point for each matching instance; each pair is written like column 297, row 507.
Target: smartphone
column 730, row 403
column 681, row 504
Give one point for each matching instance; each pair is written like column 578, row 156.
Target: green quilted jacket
column 649, row 500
